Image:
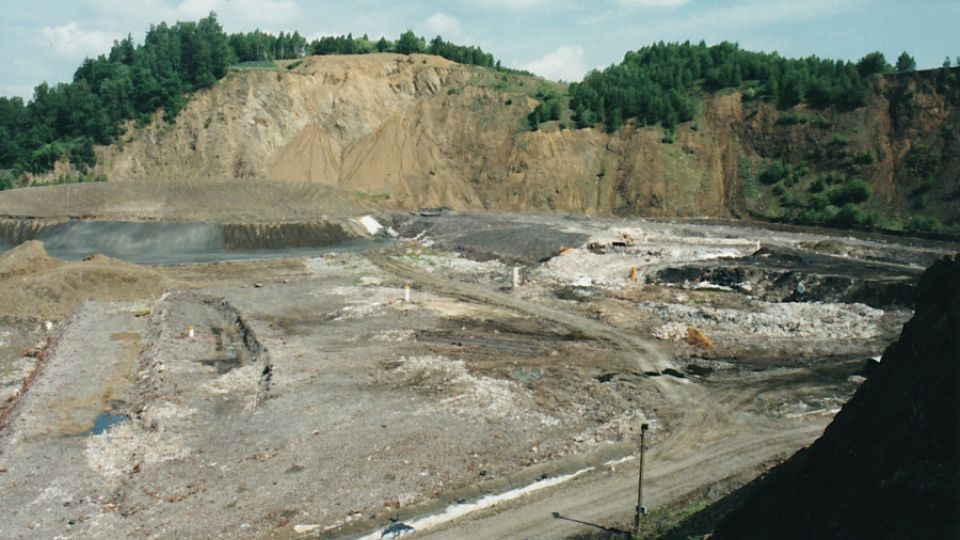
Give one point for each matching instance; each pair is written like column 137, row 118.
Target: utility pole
column 640, row 509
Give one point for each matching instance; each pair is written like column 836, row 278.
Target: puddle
column 105, row 421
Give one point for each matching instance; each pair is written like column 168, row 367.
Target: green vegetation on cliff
column 134, row 82
column 659, row 84
column 803, row 140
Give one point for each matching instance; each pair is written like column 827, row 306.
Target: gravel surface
column 311, row 397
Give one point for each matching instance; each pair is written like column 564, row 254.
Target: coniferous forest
column 134, row 81
column 658, row 84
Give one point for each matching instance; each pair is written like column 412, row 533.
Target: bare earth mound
column 27, row 258
column 35, row 286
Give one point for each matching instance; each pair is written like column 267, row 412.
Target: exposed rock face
column 420, row 131
column 888, row 466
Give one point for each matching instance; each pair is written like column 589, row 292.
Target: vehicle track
column 647, row 355
column 709, row 437
column 607, row 498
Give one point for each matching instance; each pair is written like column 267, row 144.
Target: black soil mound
column 888, row 466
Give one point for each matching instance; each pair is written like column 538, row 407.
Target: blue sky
column 45, row 40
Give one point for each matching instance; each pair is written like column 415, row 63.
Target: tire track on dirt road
column 648, row 356
column 607, row 498
column 709, row 435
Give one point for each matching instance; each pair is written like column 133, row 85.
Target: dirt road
column 606, row 498
column 372, row 408
column 712, row 439
column 649, row 358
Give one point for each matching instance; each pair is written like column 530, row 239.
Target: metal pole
column 640, row 508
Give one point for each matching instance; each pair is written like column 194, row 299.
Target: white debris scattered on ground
column 394, row 336
column 612, row 269
column 358, row 311
column 788, row 319
column 333, row 264
column 447, row 263
column 240, row 381
column 370, row 280
column 672, row 331
column 116, row 451
column 469, row 394
column 155, row 415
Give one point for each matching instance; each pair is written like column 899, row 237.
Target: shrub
column 850, row 215
column 855, row 192
column 821, row 122
column 924, row 224
column 866, row 157
column 818, row 202
column 790, row 118
column 774, row 173
column 818, row 186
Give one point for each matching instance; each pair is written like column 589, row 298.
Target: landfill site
column 428, row 373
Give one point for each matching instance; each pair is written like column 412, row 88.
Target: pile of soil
column 27, row 258
column 889, row 464
column 35, row 286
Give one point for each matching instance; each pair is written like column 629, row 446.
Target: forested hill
column 675, row 129
column 134, row 81
column 660, row 83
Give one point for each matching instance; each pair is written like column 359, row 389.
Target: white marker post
column 516, row 277
column 190, row 331
column 406, row 292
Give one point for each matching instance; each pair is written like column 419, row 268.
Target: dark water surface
column 105, row 421
column 164, row 243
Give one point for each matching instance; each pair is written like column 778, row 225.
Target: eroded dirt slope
column 422, row 131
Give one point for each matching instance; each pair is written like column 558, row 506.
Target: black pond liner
column 166, row 243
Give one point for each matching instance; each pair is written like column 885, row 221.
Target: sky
column 45, row 40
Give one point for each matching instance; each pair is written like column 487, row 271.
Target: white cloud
column 23, row 91
column 763, row 13
column 441, row 24
column 196, row 9
column 70, row 41
column 653, row 3
column 510, row 4
column 234, row 15
column 284, row 14
column 566, row 63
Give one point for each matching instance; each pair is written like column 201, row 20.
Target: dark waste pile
column 889, row 464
